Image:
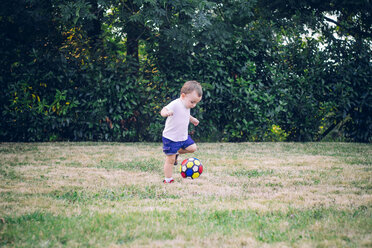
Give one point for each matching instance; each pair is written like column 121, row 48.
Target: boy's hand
column 165, row 112
column 169, row 113
column 194, row 121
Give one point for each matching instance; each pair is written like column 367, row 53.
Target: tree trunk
column 133, row 35
column 94, row 31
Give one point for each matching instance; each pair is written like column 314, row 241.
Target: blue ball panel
column 189, row 172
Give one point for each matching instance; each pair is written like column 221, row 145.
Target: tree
column 345, row 33
column 100, row 70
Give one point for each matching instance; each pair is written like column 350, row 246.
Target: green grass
column 249, row 195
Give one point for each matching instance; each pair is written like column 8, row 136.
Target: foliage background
column 102, row 70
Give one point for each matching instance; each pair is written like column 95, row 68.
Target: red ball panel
column 183, row 174
column 200, row 169
column 184, row 162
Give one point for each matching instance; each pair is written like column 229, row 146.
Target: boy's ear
column 183, row 95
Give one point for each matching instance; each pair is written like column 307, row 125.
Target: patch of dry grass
column 280, row 184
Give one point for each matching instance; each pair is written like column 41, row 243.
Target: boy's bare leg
column 168, row 165
column 190, row 149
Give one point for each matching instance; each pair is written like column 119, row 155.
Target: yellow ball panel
column 189, row 164
column 195, row 175
column 197, row 162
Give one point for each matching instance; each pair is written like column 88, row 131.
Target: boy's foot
column 175, row 162
column 171, row 181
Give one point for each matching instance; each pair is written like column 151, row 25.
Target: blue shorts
column 171, row 147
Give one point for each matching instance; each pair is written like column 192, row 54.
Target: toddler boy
column 175, row 134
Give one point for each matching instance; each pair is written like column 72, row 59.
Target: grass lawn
column 249, row 195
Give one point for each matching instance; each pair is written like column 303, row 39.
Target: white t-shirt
column 177, row 125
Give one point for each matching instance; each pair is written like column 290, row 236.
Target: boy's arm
column 194, row 121
column 166, row 112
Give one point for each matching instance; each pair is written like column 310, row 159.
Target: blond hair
column 190, row 86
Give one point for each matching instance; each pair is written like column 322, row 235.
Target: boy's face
column 191, row 99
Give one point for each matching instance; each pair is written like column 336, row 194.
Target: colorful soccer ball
column 191, row 167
